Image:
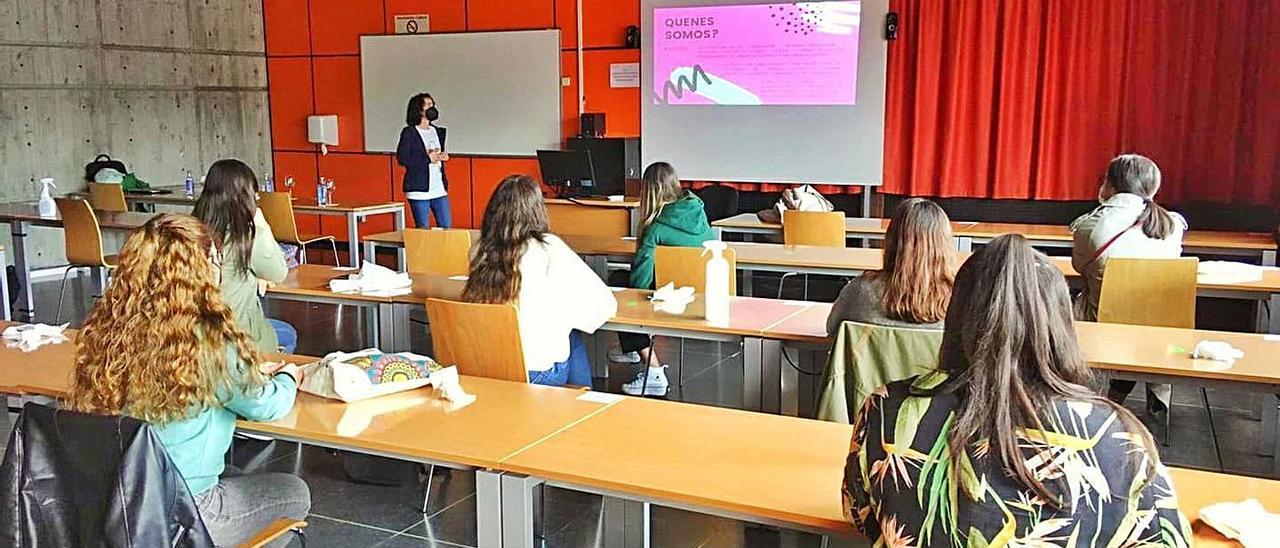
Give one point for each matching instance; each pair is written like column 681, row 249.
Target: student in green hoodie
column 670, row 216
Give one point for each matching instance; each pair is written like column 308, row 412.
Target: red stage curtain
column 1028, row 99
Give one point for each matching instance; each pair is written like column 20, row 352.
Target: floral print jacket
column 901, row 489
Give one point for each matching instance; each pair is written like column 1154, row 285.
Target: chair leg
column 61, row 293
column 302, row 537
column 302, row 253
column 334, row 245
column 1213, row 430
column 680, row 372
column 806, row 287
column 782, row 282
column 426, row 495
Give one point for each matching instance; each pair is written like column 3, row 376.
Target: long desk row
column 774, row 470
column 852, row 261
column 1259, row 245
column 771, row 331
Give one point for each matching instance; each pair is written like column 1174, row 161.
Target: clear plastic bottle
column 189, row 184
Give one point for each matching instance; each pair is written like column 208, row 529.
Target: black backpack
column 103, row 161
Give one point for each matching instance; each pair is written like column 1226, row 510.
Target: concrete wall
column 160, row 84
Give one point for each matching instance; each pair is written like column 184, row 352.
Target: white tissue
column 1227, row 272
column 374, row 279
column 1216, row 350
column 1245, row 521
column 29, row 337
column 671, row 299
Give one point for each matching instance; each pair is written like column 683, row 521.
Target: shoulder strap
column 1103, row 249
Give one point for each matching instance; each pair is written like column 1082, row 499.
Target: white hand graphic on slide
column 832, row 17
column 714, row 88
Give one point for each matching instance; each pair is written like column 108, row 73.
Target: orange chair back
column 443, row 252
column 687, row 266
column 821, row 228
column 277, row 209
column 107, row 197
column 464, row 335
column 81, row 232
column 1156, row 292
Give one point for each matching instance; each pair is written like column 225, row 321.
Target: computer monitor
column 568, row 171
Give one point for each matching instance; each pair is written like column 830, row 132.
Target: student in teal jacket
column 162, row 346
column 670, row 216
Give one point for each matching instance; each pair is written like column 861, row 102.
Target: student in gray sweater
column 914, row 286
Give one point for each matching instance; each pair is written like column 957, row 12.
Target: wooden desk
column 767, row 469
column 1198, row 489
column 20, row 216
column 1246, row 244
column 592, row 216
column 354, row 210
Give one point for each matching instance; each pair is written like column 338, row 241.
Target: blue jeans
column 437, row 207
column 286, row 335
column 576, row 370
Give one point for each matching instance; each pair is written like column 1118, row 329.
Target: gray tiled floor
column 347, row 513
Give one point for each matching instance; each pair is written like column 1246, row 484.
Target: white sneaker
column 616, row 355
column 650, row 382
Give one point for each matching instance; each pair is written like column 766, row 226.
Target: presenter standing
column 421, row 152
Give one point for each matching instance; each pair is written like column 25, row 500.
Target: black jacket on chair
column 75, row 479
column 412, row 154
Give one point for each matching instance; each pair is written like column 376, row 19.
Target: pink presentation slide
column 803, row 53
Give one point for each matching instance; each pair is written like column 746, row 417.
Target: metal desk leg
column 488, row 509
column 598, row 264
column 402, row 262
column 384, row 332
column 1270, row 440
column 369, row 252
column 4, row 293
column 752, row 370
column 26, row 309
column 1273, row 311
column 99, row 276
column 400, row 327
column 748, row 276
column 518, row 506
column 1269, row 257
column 353, row 238
column 964, row 244
column 626, row 523
column 771, row 376
column 789, row 382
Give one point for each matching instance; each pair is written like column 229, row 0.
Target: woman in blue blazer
column 421, row 152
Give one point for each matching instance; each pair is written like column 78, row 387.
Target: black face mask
column 432, row 114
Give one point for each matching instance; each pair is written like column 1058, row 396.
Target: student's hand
column 443, row 156
column 293, row 370
column 434, row 155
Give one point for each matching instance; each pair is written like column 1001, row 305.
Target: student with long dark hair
column 250, row 256
column 1007, row 443
column 557, row 296
column 1127, row 224
column 421, row 152
column 161, row 346
column 914, row 285
column 669, row 216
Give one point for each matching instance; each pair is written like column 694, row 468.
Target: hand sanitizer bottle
column 717, row 290
column 47, row 207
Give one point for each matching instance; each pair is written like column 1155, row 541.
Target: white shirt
column 558, row 293
column 430, row 140
column 1093, row 230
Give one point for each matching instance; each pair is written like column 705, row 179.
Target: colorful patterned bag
column 370, row 373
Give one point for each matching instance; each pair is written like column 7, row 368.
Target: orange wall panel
column 287, row 29
column 569, row 94
column 338, row 92
column 486, row 173
column 567, row 21
column 302, row 167
column 620, row 105
column 357, row 178
column 336, row 25
column 445, row 15
column 510, row 14
column 289, row 94
column 605, row 22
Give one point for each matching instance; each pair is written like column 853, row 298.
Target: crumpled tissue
column 1227, row 272
column 1217, row 351
column 29, row 337
column 1246, row 521
column 373, row 280
column 672, row 299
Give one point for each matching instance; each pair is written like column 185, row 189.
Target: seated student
column 557, row 296
column 250, row 256
column 670, row 216
column 162, row 346
column 913, row 287
column 1007, row 444
column 1128, row 224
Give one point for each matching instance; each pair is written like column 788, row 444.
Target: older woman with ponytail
column 1128, row 224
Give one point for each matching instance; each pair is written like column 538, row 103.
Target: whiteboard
column 498, row 92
